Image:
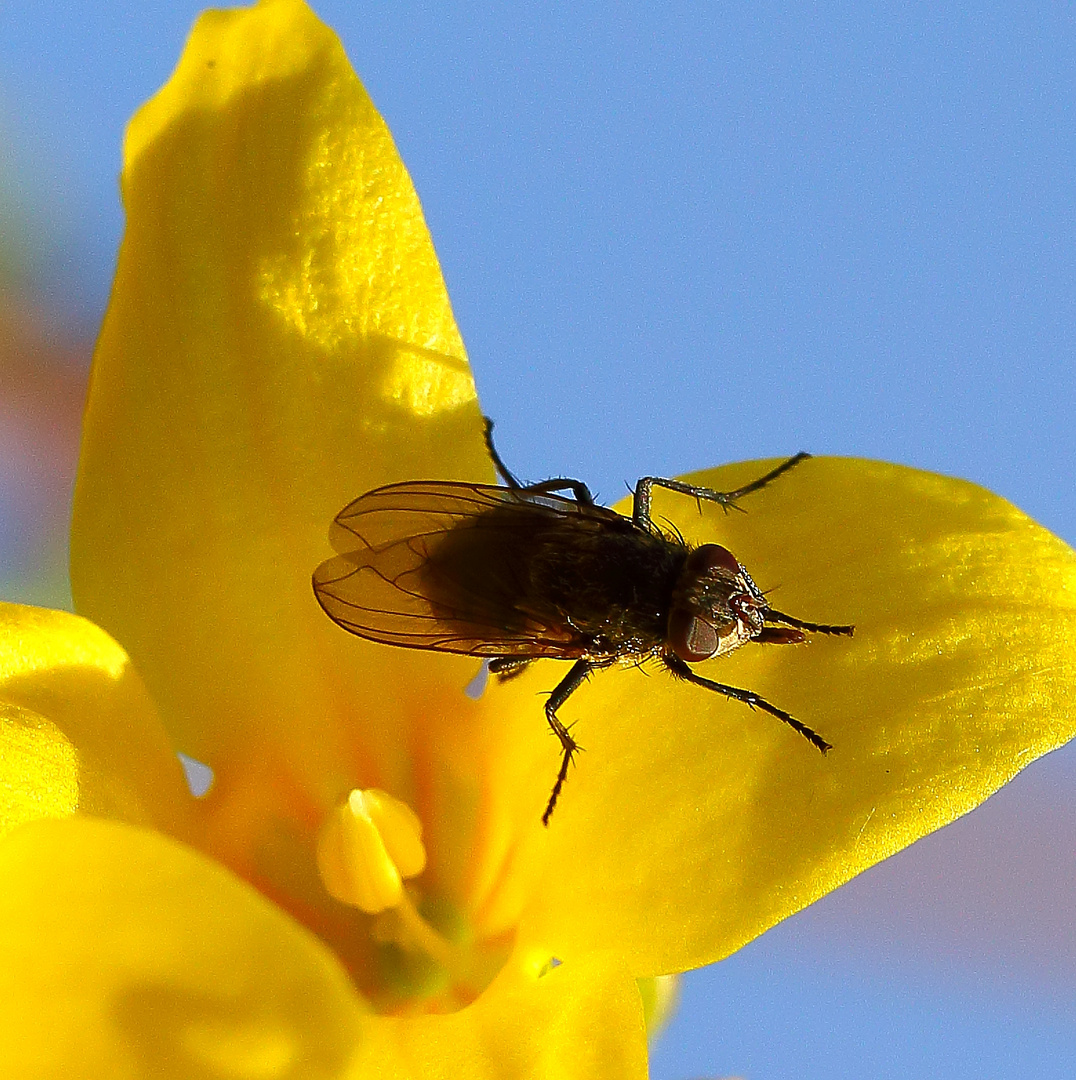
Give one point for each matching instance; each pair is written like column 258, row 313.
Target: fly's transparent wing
column 439, row 565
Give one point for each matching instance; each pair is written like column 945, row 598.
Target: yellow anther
column 366, row 847
column 399, row 826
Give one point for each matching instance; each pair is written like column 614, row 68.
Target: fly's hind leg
column 506, row 474
column 562, row 483
column 564, row 689
column 507, row 667
column 725, row 499
column 576, row 487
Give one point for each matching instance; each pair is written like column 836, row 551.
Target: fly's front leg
column 564, row 689
column 680, row 669
column 725, row 499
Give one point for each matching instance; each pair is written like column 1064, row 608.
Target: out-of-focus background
column 677, row 235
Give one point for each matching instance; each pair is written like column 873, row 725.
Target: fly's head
column 716, row 608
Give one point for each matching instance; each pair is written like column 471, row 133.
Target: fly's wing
column 434, row 565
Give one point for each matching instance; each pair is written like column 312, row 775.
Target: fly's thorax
column 611, row 584
column 715, row 608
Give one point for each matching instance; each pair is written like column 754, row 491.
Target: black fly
column 522, row 572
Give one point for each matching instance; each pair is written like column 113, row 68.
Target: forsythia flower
column 367, row 889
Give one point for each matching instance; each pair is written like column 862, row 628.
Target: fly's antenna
column 772, row 615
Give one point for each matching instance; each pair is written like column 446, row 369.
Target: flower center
column 366, row 849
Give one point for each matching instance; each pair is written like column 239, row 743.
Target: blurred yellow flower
column 367, row 889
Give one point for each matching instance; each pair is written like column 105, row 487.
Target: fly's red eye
column 712, row 557
column 690, row 637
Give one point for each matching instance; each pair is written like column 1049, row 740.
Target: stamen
column 365, row 849
column 414, row 931
column 405, row 926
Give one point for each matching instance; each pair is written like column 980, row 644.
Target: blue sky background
column 686, row 233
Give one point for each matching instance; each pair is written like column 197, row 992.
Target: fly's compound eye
column 691, row 638
column 711, row 557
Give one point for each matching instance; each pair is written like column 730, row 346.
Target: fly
column 518, row 572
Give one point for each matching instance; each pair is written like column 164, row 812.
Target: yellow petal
column 692, row 823
column 77, row 730
column 578, row 1021
column 279, row 340
column 123, row 954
